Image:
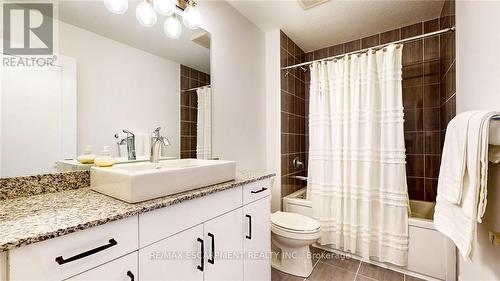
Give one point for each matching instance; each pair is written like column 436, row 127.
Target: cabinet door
column 122, row 269
column 175, row 258
column 257, row 240
column 223, row 236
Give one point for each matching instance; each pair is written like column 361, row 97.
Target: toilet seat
column 294, row 225
column 295, row 235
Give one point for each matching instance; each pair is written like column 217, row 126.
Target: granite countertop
column 26, row 220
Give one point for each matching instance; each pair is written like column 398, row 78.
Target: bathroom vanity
column 219, row 232
column 142, row 98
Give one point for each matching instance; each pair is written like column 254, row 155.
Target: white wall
column 478, row 73
column 273, row 107
column 121, row 87
column 32, row 143
column 238, row 83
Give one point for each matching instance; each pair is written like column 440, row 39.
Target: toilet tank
column 297, row 203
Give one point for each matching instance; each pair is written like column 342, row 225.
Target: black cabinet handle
column 131, row 275
column 259, row 191
column 202, row 266
column 60, row 260
column 249, row 236
column 212, row 256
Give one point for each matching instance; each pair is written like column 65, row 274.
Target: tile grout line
column 314, row 266
column 357, row 271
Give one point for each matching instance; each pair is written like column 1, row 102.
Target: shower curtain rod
column 378, row 47
column 196, row 88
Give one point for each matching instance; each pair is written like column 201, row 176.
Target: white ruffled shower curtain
column 204, row 124
column 356, row 172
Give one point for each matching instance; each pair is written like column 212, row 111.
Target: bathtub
column 431, row 255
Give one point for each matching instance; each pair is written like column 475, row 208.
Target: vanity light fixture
column 145, row 14
column 172, row 27
column 164, row 7
column 118, row 7
column 192, row 17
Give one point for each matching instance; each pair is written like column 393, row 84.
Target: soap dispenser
column 87, row 157
column 105, row 159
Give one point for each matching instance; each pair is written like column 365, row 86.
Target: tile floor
column 332, row 267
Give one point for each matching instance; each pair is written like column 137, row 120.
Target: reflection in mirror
column 114, row 81
column 196, row 100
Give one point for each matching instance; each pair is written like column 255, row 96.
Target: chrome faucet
column 130, row 139
column 156, row 141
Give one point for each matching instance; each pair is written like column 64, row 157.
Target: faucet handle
column 156, row 132
column 165, row 141
column 126, row 132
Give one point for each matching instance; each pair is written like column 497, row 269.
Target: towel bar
column 494, row 138
column 495, row 238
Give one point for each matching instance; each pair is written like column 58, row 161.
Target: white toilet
column 293, row 234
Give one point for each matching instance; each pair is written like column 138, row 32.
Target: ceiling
column 94, row 17
column 335, row 21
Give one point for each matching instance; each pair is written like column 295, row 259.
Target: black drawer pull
column 131, row 275
column 202, row 266
column 259, row 191
column 212, row 256
column 60, row 260
column 249, row 236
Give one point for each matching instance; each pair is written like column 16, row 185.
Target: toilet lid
column 294, row 221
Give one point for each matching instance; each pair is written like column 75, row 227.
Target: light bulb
column 172, row 27
column 145, row 14
column 116, row 6
column 164, row 7
column 191, row 17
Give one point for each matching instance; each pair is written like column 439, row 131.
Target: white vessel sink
column 136, row 182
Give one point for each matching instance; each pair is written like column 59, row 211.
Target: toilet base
column 294, row 261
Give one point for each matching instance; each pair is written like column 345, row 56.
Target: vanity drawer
column 256, row 190
column 162, row 223
column 68, row 255
column 122, row 269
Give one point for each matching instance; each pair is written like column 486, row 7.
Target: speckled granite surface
column 26, row 220
column 40, row 184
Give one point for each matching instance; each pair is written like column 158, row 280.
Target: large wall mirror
column 112, row 77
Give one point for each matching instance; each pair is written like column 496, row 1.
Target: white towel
column 453, row 163
column 458, row 221
column 481, row 147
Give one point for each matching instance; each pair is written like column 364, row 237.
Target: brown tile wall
column 294, row 112
column 428, row 96
column 190, row 78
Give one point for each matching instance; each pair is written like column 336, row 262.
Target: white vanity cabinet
column 122, row 269
column 221, row 236
column 65, row 256
column 232, row 227
column 209, row 251
column 177, row 257
column 224, row 247
column 257, row 242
